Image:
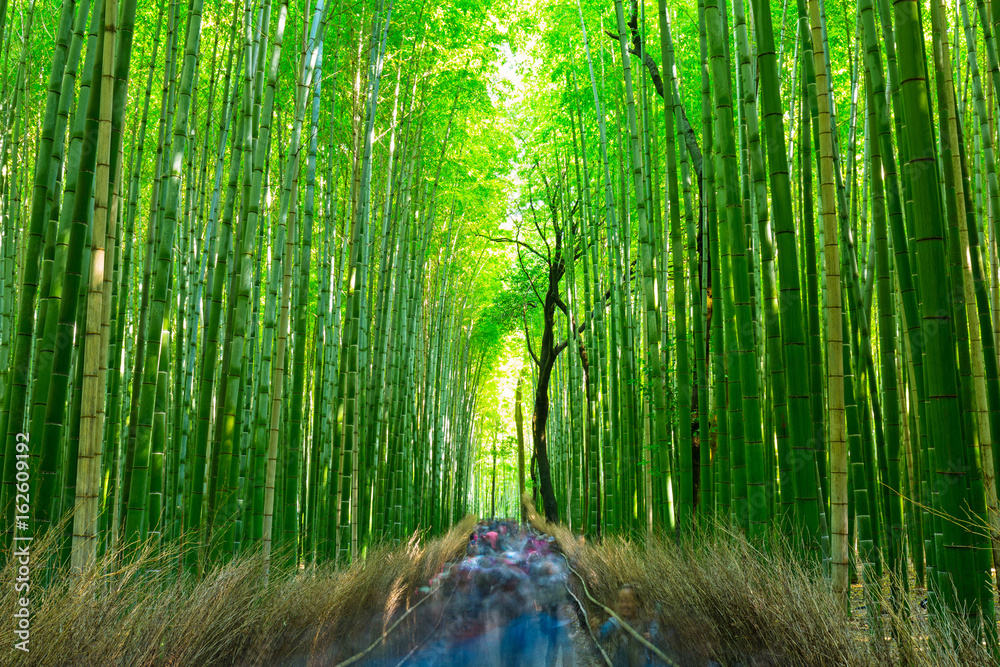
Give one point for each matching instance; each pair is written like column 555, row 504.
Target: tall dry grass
column 145, row 612
column 718, row 597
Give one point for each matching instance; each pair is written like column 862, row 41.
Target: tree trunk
column 519, row 420
column 538, row 421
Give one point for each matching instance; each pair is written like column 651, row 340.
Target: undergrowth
column 718, row 597
column 715, row 597
column 144, row 612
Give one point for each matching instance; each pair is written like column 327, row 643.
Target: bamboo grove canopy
column 304, row 276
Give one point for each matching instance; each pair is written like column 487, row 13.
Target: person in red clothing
column 491, row 537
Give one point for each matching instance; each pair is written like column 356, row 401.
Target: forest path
column 504, row 604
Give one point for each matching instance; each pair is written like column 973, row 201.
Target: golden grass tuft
column 145, row 612
column 717, row 596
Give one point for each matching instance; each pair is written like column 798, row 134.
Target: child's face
column 628, row 605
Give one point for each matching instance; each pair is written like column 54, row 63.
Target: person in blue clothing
column 550, row 594
column 518, row 632
column 621, row 645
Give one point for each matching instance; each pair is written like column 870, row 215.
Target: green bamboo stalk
column 936, row 318
column 834, row 322
column 652, row 329
column 134, row 527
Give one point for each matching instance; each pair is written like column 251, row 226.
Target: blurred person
column 550, row 581
column 622, row 646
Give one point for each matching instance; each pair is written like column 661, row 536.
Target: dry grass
column 719, row 597
column 715, row 598
column 145, row 613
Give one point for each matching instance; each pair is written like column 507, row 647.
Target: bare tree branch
column 534, row 288
column 527, row 334
column 593, row 311
column 507, row 239
column 690, row 140
column 538, row 228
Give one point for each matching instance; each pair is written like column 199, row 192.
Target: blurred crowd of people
column 506, row 604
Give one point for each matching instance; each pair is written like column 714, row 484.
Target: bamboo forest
column 621, row 332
